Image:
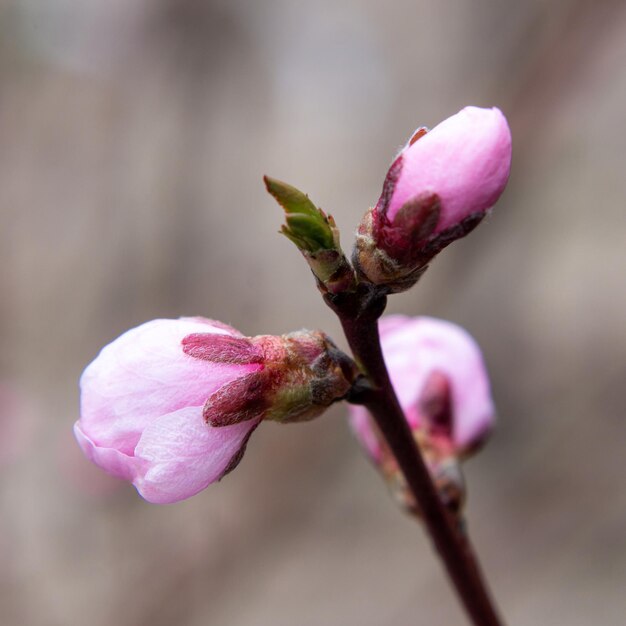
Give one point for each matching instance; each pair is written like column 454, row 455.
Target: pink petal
column 184, row 455
column 144, row 374
column 465, row 160
column 115, row 462
column 417, row 347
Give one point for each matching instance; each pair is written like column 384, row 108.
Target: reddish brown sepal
column 221, row 348
column 389, row 185
column 418, row 134
column 435, row 405
column 445, row 238
column 241, row 400
column 236, row 459
column 404, row 238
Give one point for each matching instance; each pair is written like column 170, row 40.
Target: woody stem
column 358, row 313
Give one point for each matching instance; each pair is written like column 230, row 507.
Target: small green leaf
column 307, row 226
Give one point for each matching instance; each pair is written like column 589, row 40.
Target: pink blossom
column 437, row 190
column 441, row 382
column 465, row 160
column 142, row 404
column 170, row 404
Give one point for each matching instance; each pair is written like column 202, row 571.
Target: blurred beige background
column 133, row 138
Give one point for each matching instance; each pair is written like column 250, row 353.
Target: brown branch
column 359, row 313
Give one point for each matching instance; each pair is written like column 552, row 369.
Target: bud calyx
column 301, row 375
column 438, row 189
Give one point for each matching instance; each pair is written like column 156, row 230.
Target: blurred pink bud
column 442, row 384
column 437, row 190
column 170, row 405
column 433, row 362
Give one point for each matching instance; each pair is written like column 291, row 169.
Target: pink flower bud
column 170, row 405
column 437, row 190
column 441, row 382
column 465, row 160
